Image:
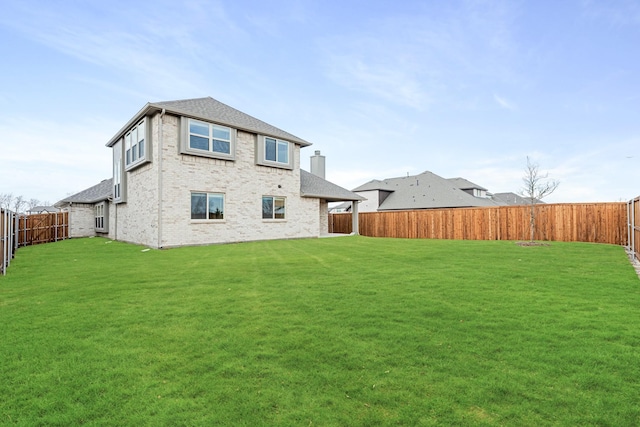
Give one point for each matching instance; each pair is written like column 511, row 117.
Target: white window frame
column 207, row 214
column 101, row 217
column 261, row 152
column 185, row 143
column 274, row 216
column 136, row 145
column 119, row 175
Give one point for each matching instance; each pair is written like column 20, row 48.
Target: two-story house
column 196, row 171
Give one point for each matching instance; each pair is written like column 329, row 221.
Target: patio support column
column 354, row 217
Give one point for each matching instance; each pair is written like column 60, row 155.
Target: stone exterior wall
column 242, row 182
column 136, row 220
column 324, row 217
column 81, row 220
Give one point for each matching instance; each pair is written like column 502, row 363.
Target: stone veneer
column 81, row 220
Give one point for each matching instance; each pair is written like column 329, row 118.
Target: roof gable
column 465, row 184
column 212, row 110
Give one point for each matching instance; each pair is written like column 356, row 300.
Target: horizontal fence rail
column 24, row 230
column 43, row 228
column 574, row 222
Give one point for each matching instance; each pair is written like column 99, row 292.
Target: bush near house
column 346, row 331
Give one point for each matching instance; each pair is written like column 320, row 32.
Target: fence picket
column 567, row 222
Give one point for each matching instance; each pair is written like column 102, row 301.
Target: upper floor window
column 273, row 207
column 117, row 179
column 135, row 145
column 207, row 139
column 274, row 152
column 207, row 206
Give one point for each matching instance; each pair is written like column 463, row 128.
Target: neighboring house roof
column 314, row 186
column 40, row 209
column 375, row 184
column 424, row 191
column 465, row 184
column 212, row 110
column 94, row 194
column 342, row 207
column 513, row 199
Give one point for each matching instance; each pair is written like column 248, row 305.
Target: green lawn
column 323, row 332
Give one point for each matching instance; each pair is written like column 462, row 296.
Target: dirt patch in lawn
column 531, row 244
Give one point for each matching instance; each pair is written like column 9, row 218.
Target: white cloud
column 504, row 103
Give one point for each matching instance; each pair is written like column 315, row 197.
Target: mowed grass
column 350, row 331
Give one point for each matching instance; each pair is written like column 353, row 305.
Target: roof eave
column 143, row 112
column 151, row 107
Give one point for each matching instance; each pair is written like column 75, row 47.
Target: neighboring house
column 43, row 210
column 340, row 208
column 196, row 171
column 424, row 191
column 469, row 187
column 513, row 199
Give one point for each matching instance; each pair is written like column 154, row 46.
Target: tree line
column 19, row 204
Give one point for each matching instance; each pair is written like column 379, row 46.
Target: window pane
column 141, row 131
column 221, row 132
column 221, row 146
column 216, row 206
column 198, row 206
column 199, row 128
column 283, row 152
column 199, row 142
column 267, row 207
column 141, row 149
column 270, row 149
column 278, row 209
column 128, row 156
column 134, row 153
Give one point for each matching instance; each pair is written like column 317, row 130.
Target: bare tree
column 18, row 204
column 32, row 203
column 5, row 200
column 536, row 187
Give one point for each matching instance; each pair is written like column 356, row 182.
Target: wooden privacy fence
column 7, row 243
column 42, row 228
column 23, row 230
column 633, row 226
column 575, row 222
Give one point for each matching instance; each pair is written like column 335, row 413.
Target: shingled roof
column 424, row 191
column 211, row 110
column 314, row 186
column 97, row 193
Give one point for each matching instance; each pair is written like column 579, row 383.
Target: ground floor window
column 101, row 216
column 273, row 207
column 207, row 206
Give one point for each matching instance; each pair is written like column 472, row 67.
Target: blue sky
column 459, row 88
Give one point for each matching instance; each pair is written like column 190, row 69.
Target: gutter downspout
column 161, row 132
